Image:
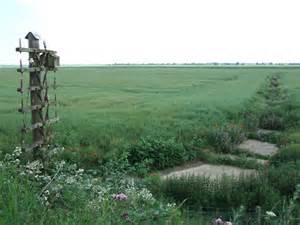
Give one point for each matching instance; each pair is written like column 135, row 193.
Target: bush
column 278, row 113
column 271, row 108
column 271, row 120
column 289, row 154
column 275, row 137
column 226, row 137
column 156, row 153
column 284, row 173
column 284, row 177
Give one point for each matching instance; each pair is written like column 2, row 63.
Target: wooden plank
column 31, row 69
column 27, row 109
column 37, row 144
column 51, row 121
column 35, row 88
column 40, row 125
column 32, row 127
column 35, row 50
column 33, row 146
column 38, row 88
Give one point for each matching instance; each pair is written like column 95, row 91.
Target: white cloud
column 107, row 31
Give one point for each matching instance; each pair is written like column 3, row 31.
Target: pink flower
column 218, row 222
column 121, row 197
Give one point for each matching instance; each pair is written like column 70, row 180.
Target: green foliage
column 271, row 120
column 242, row 161
column 114, row 107
column 284, row 173
column 156, row 153
column 278, row 113
column 271, row 108
column 289, row 154
column 109, row 107
column 225, row 137
column 275, row 137
column 62, row 194
column 273, row 91
column 204, row 192
column 284, row 177
column 18, row 202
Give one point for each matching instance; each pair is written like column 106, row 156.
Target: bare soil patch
column 212, row 171
column 259, row 147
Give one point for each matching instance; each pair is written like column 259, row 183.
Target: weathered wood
column 39, row 125
column 34, row 88
column 37, row 88
column 33, row 146
column 35, row 50
column 39, row 60
column 27, row 109
column 32, row 69
column 51, row 121
column 35, row 92
column 33, row 127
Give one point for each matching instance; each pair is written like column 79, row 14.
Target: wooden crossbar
column 39, row 125
column 35, row 50
column 37, row 88
column 27, row 109
column 31, row 69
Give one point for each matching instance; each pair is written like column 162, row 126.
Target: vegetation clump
column 288, row 154
column 156, row 153
column 226, row 137
column 62, row 193
column 271, row 108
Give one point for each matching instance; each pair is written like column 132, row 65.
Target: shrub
column 275, row 137
column 278, row 113
column 271, row 108
column 156, row 153
column 226, row 137
column 284, row 177
column 289, row 154
column 271, row 120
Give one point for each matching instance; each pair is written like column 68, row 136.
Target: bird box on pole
column 33, row 40
column 40, row 62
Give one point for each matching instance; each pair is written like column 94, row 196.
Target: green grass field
column 105, row 107
column 136, row 121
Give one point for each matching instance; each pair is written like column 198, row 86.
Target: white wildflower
column 270, row 214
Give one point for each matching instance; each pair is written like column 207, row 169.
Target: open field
column 215, row 141
column 105, row 107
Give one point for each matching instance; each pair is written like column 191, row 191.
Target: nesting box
column 34, row 40
column 52, row 61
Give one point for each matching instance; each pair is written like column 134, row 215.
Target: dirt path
column 259, row 147
column 212, row 171
column 215, row 171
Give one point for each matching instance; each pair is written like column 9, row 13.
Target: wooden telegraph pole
column 40, row 62
column 35, row 93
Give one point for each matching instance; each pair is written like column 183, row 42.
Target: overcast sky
column 157, row 31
